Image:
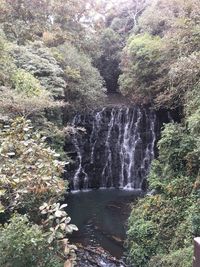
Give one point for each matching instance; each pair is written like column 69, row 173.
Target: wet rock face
column 115, row 149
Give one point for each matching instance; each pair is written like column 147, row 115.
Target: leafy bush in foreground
column 23, row 244
column 31, row 183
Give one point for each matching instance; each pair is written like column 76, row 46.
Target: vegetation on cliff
column 160, row 59
column 45, row 68
column 160, row 65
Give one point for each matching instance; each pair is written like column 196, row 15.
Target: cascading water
column 116, row 148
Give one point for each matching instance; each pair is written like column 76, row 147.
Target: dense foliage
column 31, row 182
column 45, row 67
column 46, row 44
column 164, row 224
column 160, row 59
column 56, row 57
column 121, row 17
column 161, row 65
column 23, row 244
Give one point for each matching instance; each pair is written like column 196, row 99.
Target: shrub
column 30, row 175
column 28, row 167
column 84, row 83
column 141, row 61
column 23, row 244
column 24, row 81
column 162, row 226
column 179, row 258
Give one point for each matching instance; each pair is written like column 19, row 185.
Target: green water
column 101, row 216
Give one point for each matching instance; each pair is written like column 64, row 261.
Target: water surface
column 101, row 216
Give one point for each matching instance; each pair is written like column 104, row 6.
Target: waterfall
column 80, row 170
column 108, row 153
column 115, row 150
column 95, row 132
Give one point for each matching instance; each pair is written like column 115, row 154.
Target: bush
column 142, row 235
column 25, row 82
column 23, row 244
column 30, row 171
column 84, row 83
column 31, row 175
column 141, row 61
column 180, row 258
column 162, row 226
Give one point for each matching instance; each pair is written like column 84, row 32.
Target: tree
column 161, row 59
column 30, row 20
column 141, row 65
column 110, row 44
column 24, row 20
column 28, row 166
column 31, row 181
column 153, row 67
column 84, row 85
column 40, row 62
